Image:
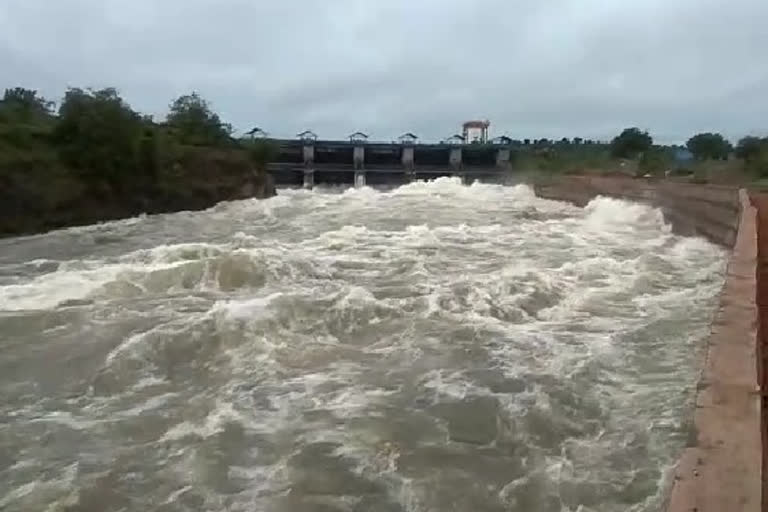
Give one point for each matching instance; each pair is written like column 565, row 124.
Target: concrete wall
column 358, row 157
column 407, row 158
column 721, row 469
column 454, row 158
column 502, row 158
column 308, row 153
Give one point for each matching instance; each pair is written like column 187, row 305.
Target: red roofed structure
column 476, row 131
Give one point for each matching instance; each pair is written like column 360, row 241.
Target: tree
column 630, row 143
column 20, row 104
column 193, row 122
column 527, row 142
column 261, row 152
column 754, row 151
column 98, row 135
column 758, row 164
column 749, row 147
column 577, row 140
column 712, row 146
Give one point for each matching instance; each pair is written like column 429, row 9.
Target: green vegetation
column 706, row 157
column 561, row 157
column 193, row 122
column 754, row 152
column 96, row 158
column 630, row 143
column 98, row 136
column 709, row 146
column 655, row 161
column 261, row 152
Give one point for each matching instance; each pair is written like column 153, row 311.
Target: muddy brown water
column 433, row 347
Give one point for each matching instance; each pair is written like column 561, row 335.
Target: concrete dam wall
column 721, row 468
column 311, row 162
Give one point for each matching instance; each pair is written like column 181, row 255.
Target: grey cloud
column 551, row 68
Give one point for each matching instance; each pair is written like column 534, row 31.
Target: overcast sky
column 534, row 68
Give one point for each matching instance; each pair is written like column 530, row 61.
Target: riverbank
column 721, row 469
column 39, row 195
column 97, row 159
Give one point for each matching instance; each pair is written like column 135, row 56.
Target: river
column 435, row 347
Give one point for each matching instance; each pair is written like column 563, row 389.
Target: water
column 432, row 348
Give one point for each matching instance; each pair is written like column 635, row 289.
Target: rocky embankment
column 721, row 468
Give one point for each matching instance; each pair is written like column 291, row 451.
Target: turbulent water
column 432, row 348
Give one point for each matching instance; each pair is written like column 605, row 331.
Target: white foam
column 128, row 345
column 50, row 290
column 27, row 496
column 269, row 207
column 67, row 419
column 695, row 249
column 448, row 384
column 425, row 283
column 175, row 495
column 352, row 401
column 213, row 423
column 78, row 280
column 106, row 226
column 248, row 309
column 150, row 404
column 609, row 213
column 356, row 296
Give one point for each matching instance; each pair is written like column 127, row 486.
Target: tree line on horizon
column 95, row 158
column 98, row 135
column 634, row 143
column 638, row 145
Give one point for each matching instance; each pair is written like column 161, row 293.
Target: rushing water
column 432, row 348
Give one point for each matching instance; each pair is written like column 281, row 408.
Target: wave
column 609, row 214
column 161, row 270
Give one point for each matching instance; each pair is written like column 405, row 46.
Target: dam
column 434, row 346
column 306, row 161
